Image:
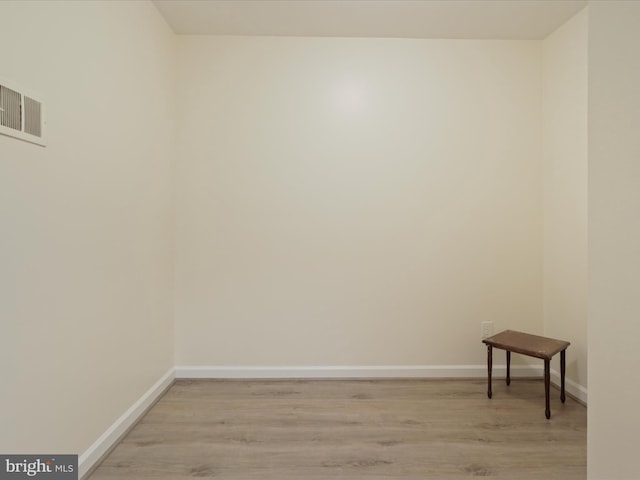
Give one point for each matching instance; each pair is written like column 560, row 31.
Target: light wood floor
column 353, row 429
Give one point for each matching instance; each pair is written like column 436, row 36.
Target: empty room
column 311, row 239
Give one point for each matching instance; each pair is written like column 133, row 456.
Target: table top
column 527, row 344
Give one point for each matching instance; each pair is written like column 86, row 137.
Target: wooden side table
column 533, row 346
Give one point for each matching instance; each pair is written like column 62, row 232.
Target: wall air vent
column 21, row 114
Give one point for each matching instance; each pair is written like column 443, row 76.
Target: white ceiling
column 500, row 19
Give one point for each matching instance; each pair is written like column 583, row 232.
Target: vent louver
column 32, row 117
column 21, row 115
column 10, row 111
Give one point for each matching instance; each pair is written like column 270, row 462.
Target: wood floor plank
column 353, row 429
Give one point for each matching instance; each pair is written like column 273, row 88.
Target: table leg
column 547, row 382
column 508, row 367
column 489, row 368
column 562, row 371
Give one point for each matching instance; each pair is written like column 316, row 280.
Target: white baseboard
column 393, row 371
column 115, row 432
column 571, row 387
column 410, row 371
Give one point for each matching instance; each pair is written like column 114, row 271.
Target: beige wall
column 86, row 242
column 565, row 190
column 356, row 201
column 614, row 240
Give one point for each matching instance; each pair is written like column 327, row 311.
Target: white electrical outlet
column 486, row 329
